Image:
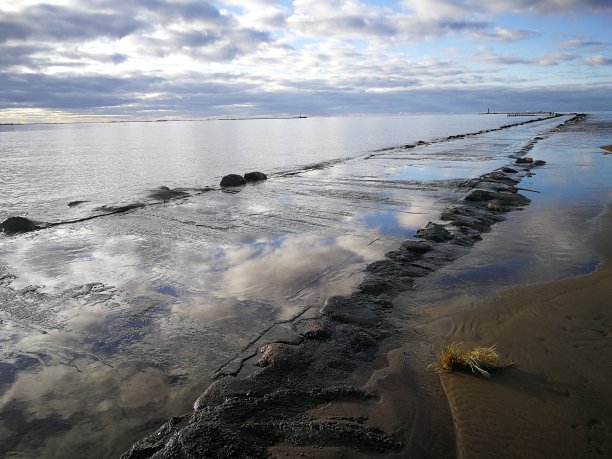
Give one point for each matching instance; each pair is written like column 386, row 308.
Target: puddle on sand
column 135, row 312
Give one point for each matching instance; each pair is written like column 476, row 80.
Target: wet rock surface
column 163, row 193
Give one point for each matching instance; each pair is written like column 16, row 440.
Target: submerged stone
column 233, row 180
column 539, row 162
column 163, row 193
column 525, row 160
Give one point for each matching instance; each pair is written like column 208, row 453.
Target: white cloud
column 597, row 61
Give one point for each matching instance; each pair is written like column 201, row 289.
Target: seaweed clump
column 481, row 360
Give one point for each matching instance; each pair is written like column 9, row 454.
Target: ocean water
column 114, row 324
column 43, row 167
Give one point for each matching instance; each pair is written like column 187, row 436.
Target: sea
column 151, row 279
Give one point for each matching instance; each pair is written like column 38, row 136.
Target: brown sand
column 557, row 401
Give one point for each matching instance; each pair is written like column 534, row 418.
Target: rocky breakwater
column 244, row 416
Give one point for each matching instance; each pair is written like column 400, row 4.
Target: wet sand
column 557, row 401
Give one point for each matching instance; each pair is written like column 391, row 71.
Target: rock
column 479, row 195
column 350, row 310
column 434, row 232
column 525, row 160
column 76, row 203
column 415, row 246
column 316, row 331
column 495, row 207
column 233, row 180
column 505, row 198
column 539, row 162
column 255, row 176
column 15, row 225
column 497, row 176
column 509, row 170
column 163, row 193
column 274, row 354
column 109, row 210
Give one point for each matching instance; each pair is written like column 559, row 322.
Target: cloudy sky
column 149, row 59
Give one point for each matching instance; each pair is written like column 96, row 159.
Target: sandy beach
column 556, row 402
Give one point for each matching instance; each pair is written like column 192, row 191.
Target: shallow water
column 110, row 326
column 44, row 167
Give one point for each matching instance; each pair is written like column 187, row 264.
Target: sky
column 68, row 60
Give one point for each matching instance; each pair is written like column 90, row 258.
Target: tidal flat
column 116, row 324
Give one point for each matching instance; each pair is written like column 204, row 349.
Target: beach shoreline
column 322, row 379
column 556, row 401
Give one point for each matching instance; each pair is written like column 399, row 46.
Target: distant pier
column 520, row 113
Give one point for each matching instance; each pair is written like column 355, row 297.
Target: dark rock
column 316, row 331
column 362, row 341
column 525, row 160
column 255, row 176
column 539, row 162
column 509, row 170
column 15, row 225
column 415, row 246
column 497, row 176
column 403, row 256
column 434, row 232
column 350, row 310
column 505, row 198
column 479, row 195
column 379, row 284
column 76, row 203
column 119, row 209
column 233, row 180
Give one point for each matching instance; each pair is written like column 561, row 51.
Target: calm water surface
column 43, row 167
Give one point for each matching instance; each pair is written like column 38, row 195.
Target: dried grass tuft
column 480, row 360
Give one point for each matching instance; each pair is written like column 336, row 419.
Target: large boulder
column 525, row 160
column 233, row 180
column 255, row 176
column 15, row 225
